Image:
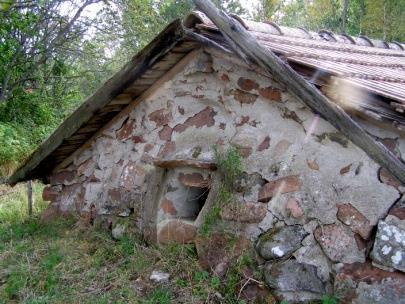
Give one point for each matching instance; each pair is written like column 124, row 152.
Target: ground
column 62, row 262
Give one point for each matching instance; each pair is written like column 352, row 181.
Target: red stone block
column 353, row 218
column 283, row 185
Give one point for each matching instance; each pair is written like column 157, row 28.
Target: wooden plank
column 175, row 163
column 122, row 99
column 162, row 44
column 246, row 46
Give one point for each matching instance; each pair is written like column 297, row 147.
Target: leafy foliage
column 377, row 19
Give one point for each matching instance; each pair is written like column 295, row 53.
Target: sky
column 250, row 5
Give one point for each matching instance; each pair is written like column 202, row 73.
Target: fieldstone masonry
column 313, row 204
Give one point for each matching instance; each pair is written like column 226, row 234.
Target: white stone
column 159, row 276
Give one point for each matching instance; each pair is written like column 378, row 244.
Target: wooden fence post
column 30, row 197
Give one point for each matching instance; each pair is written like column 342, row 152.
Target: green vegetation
column 230, row 168
column 373, row 18
column 63, row 262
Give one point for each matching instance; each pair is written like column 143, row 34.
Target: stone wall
column 309, row 200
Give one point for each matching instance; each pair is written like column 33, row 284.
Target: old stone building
column 322, row 215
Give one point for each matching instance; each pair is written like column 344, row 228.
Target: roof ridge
column 270, row 27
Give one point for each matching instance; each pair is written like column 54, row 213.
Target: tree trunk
column 344, row 15
column 246, row 46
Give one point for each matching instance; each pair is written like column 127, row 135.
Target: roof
column 375, row 67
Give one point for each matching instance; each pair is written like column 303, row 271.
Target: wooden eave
column 145, row 68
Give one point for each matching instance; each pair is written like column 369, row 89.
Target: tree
column 41, row 47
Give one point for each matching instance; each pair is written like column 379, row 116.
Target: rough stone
column 271, row 94
column 388, row 179
column 51, row 212
column 118, row 231
column 312, row 164
column 389, row 245
column 176, row 231
column 247, row 84
column 166, row 133
column 126, row 130
column 312, row 254
column 167, row 149
column 265, row 144
column 291, row 276
column 199, row 120
column 282, row 146
column 243, row 97
column 339, row 244
column 244, row 212
column 294, row 209
column 216, row 252
column 283, row 185
column 280, row 243
column 267, row 222
column 353, row 218
column 160, row 117
column 345, row 169
column 62, row 178
column 168, row 207
column 86, row 168
column 398, row 212
column 51, row 193
column 195, row 180
column 364, row 284
column 159, row 276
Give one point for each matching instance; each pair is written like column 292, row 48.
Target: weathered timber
column 246, row 46
column 175, row 163
column 30, row 197
column 143, row 61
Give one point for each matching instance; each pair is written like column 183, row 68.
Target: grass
column 61, row 262
column 230, row 167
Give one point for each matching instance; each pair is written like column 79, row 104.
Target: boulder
column 364, row 284
column 176, row 231
column 389, row 245
column 353, row 218
column 217, row 251
column 118, row 231
column 159, row 276
column 244, row 212
column 280, row 242
column 294, row 281
column 339, row 244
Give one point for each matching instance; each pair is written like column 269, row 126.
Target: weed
column 215, row 282
column 159, row 296
column 329, row 300
column 229, row 165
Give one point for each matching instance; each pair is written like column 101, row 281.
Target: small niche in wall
column 194, row 201
column 185, row 193
column 181, row 196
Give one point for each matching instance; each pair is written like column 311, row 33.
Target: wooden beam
column 246, row 46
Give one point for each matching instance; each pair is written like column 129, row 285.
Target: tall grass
column 14, row 203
